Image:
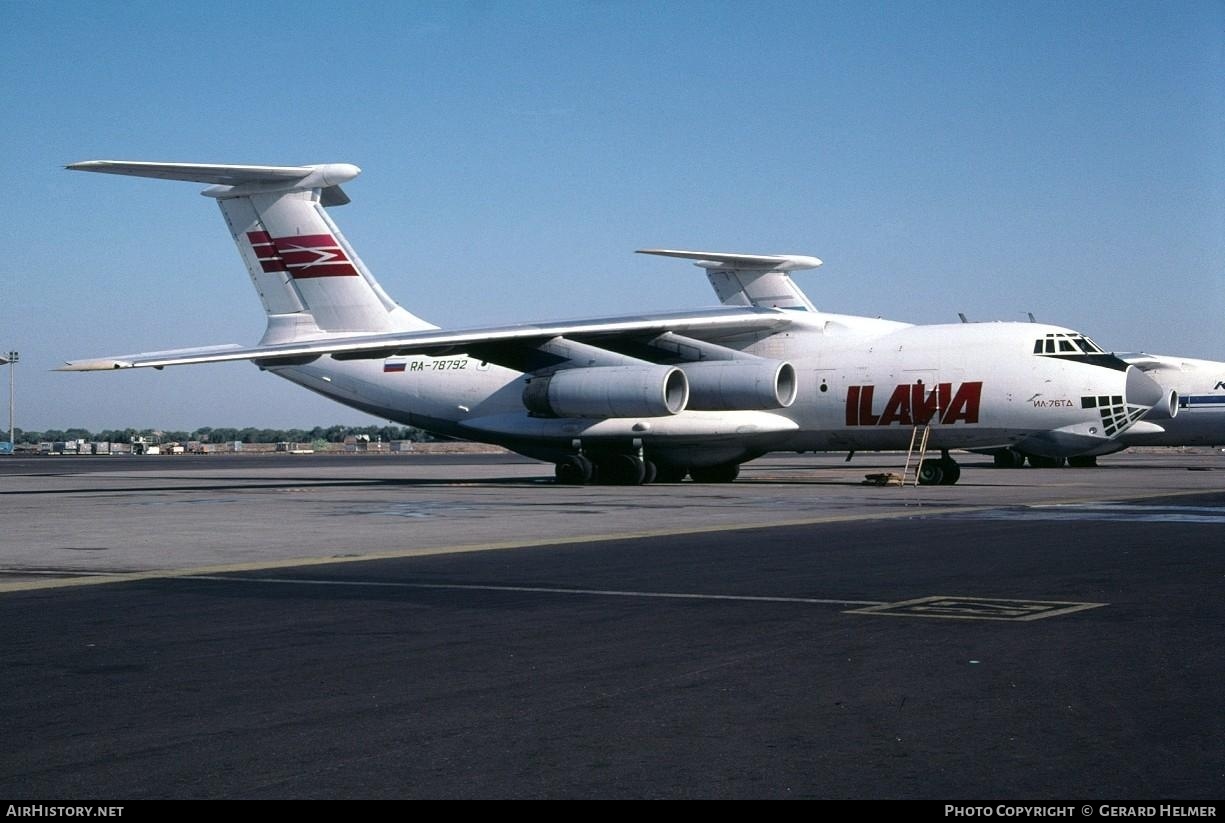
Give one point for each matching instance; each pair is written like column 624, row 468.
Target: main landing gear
column 625, row 469
column 575, row 470
column 944, row 471
column 612, row 470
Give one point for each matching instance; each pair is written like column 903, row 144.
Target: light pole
column 11, row 359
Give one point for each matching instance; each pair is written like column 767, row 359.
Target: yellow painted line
column 302, row 562
column 396, row 584
column 295, row 562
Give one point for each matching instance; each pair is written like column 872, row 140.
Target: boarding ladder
column 918, row 439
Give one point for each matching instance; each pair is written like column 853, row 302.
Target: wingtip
column 94, row 365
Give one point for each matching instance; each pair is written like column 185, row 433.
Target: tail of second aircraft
column 760, row 280
column 311, row 281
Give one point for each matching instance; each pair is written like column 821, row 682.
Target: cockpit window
column 1066, row 344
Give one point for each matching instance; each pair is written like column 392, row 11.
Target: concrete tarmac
column 423, row 627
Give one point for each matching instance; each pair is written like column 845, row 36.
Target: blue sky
column 1064, row 158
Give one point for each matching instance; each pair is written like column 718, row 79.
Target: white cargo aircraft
column 629, row 400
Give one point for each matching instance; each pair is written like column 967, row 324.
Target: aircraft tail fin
column 310, row 280
column 760, row 280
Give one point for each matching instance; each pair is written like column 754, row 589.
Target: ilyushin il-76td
column 652, row 397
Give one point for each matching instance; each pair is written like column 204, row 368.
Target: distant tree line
column 209, row 434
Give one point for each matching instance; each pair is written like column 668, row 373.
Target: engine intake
column 608, row 391
column 732, row 385
column 1166, row 408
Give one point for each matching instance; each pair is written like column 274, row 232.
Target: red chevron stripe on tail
column 313, row 255
column 265, row 251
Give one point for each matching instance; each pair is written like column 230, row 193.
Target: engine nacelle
column 731, row 385
column 1166, row 408
column 608, row 391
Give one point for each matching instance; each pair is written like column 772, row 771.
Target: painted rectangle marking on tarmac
column 977, row 608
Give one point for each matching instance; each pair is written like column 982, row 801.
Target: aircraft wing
column 709, row 325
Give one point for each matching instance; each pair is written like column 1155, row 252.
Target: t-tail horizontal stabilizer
column 751, row 279
column 238, row 181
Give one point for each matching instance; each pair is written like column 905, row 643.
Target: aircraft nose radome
column 1142, row 390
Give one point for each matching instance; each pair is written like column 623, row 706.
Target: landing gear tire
column 723, row 473
column 951, row 471
column 1038, row 462
column 665, row 473
column 1083, row 462
column 623, row 470
column 931, row 473
column 574, row 470
column 1009, row 459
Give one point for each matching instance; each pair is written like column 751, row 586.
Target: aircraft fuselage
column 859, row 386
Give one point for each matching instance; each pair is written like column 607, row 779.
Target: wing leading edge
column 709, row 325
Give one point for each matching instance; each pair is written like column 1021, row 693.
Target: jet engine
column 608, row 391
column 1166, row 408
column 733, row 385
